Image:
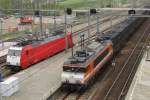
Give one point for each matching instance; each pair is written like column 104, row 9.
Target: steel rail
column 130, row 75
column 124, row 66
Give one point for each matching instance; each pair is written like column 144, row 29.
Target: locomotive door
column 28, row 57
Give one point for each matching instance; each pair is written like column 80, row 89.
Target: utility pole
column 89, row 24
column 72, row 39
column 21, row 8
column 69, row 12
column 66, row 37
column 54, row 15
column 41, row 26
column 1, row 80
column 98, row 24
column 1, row 23
column 111, row 23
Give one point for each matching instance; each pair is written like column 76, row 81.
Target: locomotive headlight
column 82, row 82
column 80, row 79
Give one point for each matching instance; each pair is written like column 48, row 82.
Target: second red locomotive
column 30, row 52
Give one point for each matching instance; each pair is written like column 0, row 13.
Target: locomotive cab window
column 74, row 69
column 100, row 58
column 14, row 52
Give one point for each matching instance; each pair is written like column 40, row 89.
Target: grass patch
column 75, row 4
column 11, row 35
column 78, row 3
column 62, row 4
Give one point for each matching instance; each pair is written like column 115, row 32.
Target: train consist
column 31, row 51
column 81, row 68
column 26, row 20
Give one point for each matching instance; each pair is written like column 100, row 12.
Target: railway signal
column 130, row 12
column 37, row 13
column 69, row 11
column 93, row 11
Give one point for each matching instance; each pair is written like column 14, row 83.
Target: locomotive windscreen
column 14, row 52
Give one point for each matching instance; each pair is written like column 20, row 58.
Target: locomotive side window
column 100, row 58
column 14, row 52
column 73, row 69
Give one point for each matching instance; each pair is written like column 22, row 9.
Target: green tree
column 5, row 4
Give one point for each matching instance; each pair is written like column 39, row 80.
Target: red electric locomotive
column 32, row 51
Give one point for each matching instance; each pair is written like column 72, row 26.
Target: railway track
column 2, row 60
column 94, row 34
column 117, row 82
column 93, row 25
column 119, row 87
column 6, row 72
column 76, row 35
column 114, row 80
column 3, row 69
column 84, row 20
column 75, row 95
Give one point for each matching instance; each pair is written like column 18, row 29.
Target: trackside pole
column 1, row 24
column 72, row 40
column 88, row 24
column 98, row 25
column 55, row 15
column 1, row 79
column 66, row 39
column 41, row 26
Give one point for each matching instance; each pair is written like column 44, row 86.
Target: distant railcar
column 26, row 20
